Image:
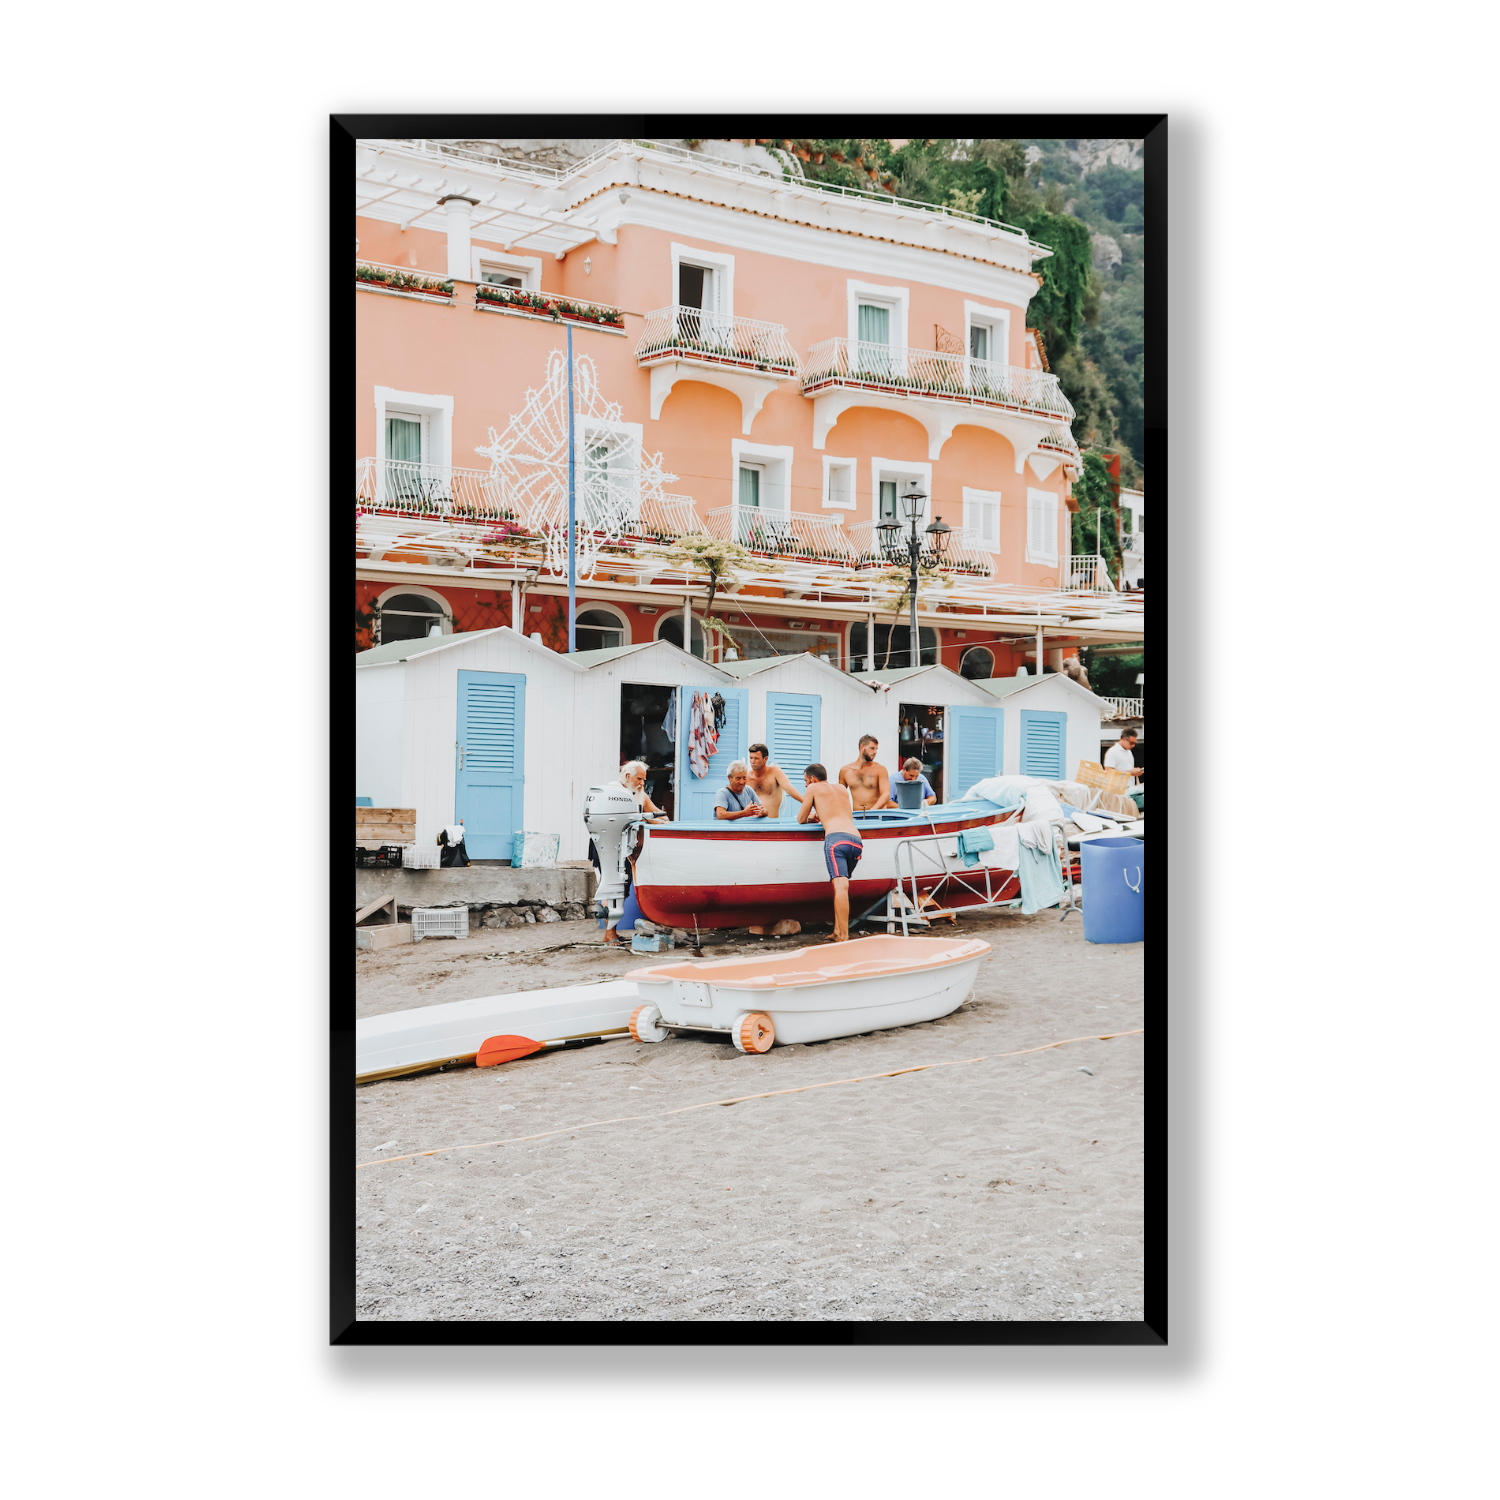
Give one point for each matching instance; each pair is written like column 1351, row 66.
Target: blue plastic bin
column 1114, row 890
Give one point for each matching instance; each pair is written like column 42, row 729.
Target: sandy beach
column 1004, row 1189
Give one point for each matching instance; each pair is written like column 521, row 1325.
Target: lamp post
column 893, row 545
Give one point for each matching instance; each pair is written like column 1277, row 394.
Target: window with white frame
column 877, row 328
column 838, row 483
column 413, row 444
column 411, row 613
column 982, row 517
column 762, row 481
column 889, row 479
column 597, row 626
column 609, row 471
column 703, row 293
column 497, row 269
column 1041, row 526
column 989, row 333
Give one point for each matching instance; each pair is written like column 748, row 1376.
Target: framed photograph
column 749, row 734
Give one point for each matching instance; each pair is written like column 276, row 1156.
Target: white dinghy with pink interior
column 811, row 994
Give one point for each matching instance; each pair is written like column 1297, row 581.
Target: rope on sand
column 952, row 1062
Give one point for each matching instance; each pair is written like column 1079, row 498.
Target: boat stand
column 925, row 856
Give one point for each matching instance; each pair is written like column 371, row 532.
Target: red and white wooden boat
column 753, row 872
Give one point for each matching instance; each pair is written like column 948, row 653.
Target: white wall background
column 1331, row 1151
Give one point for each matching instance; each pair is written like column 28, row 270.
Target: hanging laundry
column 721, row 711
column 703, row 736
column 669, row 724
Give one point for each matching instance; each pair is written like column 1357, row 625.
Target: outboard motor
column 610, row 815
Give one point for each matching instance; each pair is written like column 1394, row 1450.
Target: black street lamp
column 893, row 545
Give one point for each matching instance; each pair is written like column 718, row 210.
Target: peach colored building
column 754, row 358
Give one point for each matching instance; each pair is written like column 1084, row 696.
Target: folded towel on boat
column 973, row 842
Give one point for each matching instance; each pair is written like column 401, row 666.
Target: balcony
column 782, row 534
column 940, row 391
column 965, row 553
column 1088, row 574
column 401, row 281
column 1133, row 543
column 550, row 305
column 437, row 490
column 1124, row 708
column 664, row 518
column 743, row 356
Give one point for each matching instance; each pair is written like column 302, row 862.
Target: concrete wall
column 478, row 885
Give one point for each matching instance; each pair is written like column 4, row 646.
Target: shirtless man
column 869, row 782
column 769, row 781
column 842, row 845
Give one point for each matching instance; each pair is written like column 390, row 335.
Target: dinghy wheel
column 754, row 1032
column 644, row 1025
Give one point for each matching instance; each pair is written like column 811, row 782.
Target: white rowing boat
column 811, row 994
column 495, row 1029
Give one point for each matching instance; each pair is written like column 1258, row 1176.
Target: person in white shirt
column 1120, row 757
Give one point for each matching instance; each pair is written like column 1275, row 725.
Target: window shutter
column 1043, row 743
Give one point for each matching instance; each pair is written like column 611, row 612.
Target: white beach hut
column 950, row 723
column 803, row 709
column 1050, row 724
column 493, row 730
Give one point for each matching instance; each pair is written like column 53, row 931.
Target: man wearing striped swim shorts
column 842, row 846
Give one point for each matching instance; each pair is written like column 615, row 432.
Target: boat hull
column 697, row 875
column 410, row 1041
column 882, row 986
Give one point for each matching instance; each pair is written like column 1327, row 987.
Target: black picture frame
column 344, row 1328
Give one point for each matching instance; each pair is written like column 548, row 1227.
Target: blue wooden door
column 491, row 761
column 695, row 797
column 794, row 724
column 1044, row 743
column 975, row 750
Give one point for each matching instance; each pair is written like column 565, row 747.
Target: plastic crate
column 386, row 857
column 530, row 849
column 420, row 856
column 439, row 921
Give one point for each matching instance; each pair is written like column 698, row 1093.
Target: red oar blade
column 503, row 1049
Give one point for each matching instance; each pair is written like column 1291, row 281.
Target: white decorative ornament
column 614, row 478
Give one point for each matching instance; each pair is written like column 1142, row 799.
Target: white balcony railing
column 782, row 533
column 666, row 517
column 1124, row 708
column 933, row 375
column 965, row 552
column 1133, row 542
column 697, row 334
column 1088, row 573
column 431, row 490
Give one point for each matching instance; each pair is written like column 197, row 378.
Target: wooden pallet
column 374, row 826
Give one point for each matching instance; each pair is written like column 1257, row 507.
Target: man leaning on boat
column 842, row 846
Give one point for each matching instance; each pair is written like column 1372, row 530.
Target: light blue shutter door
column 695, row 797
column 793, row 735
column 976, row 742
column 491, row 754
column 1044, row 743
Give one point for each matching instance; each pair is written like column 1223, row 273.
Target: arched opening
column 977, row 663
column 596, row 628
column 410, row 617
column 670, row 629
